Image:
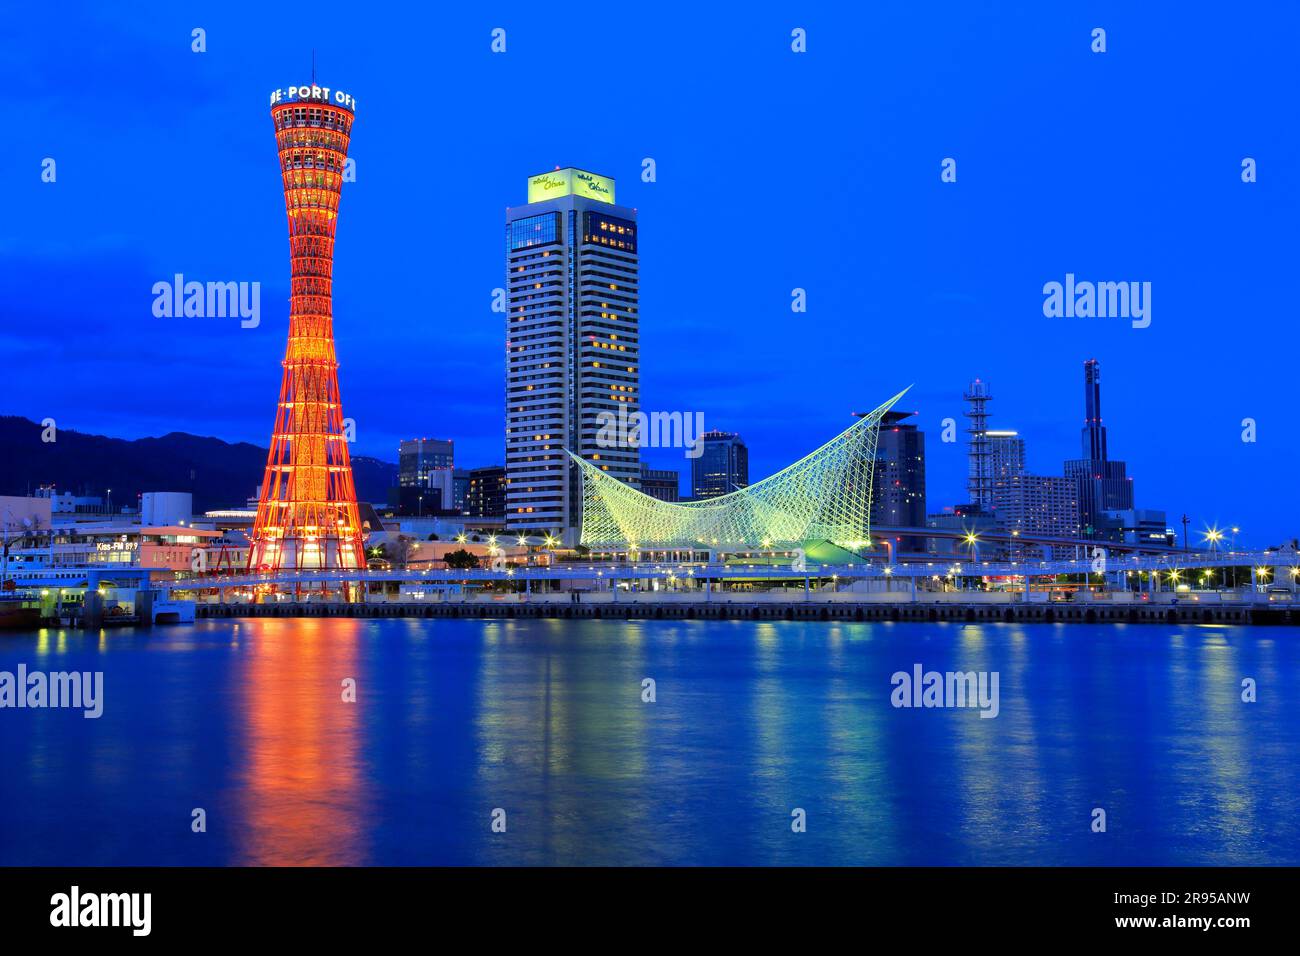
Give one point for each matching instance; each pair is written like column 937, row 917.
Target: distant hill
column 218, row 474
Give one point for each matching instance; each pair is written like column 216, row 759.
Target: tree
column 461, row 560
column 27, row 535
column 399, row 551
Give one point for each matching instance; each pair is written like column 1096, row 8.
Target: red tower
column 307, row 517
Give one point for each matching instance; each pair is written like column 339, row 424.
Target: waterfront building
column 1137, row 526
column 661, row 483
column 307, row 516
column 68, row 503
column 959, row 521
column 1102, row 482
column 898, row 488
column 721, row 467
column 572, row 345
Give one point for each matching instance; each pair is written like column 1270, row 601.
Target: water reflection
column 545, row 719
column 301, row 796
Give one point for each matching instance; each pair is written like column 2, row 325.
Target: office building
column 1103, row 483
column 486, row 495
column 1006, row 455
column 898, row 483
column 419, row 458
column 1140, row 526
column 722, row 466
column 1038, row 505
column 426, row 477
column 459, row 489
column 572, row 345
column 661, row 483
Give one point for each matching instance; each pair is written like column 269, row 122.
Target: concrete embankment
column 772, row 611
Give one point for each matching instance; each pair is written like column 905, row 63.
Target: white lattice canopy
column 825, row 496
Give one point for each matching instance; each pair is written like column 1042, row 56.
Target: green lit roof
column 825, row 496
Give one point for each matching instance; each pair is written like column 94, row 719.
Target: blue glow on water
column 545, row 719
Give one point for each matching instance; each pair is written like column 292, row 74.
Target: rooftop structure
column 825, row 496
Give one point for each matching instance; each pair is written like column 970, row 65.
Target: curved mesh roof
column 825, row 496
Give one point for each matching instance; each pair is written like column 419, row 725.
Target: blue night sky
column 775, row 171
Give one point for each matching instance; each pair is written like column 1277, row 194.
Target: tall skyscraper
column 307, row 515
column 898, row 485
column 979, row 482
column 722, row 466
column 572, row 345
column 1103, row 484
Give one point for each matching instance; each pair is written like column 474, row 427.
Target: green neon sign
column 570, row 182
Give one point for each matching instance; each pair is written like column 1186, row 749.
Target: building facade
column 721, row 467
column 486, row 496
column 572, row 345
column 663, row 484
column 1006, row 454
column 1102, row 484
column 426, row 476
column 459, row 489
column 898, row 487
column 1037, row 505
column 418, row 459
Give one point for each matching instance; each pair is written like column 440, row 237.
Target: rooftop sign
column 570, row 182
column 312, row 93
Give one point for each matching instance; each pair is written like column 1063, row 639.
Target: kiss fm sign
column 314, row 94
column 570, row 182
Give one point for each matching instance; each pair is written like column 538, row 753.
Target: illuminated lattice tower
column 307, row 517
